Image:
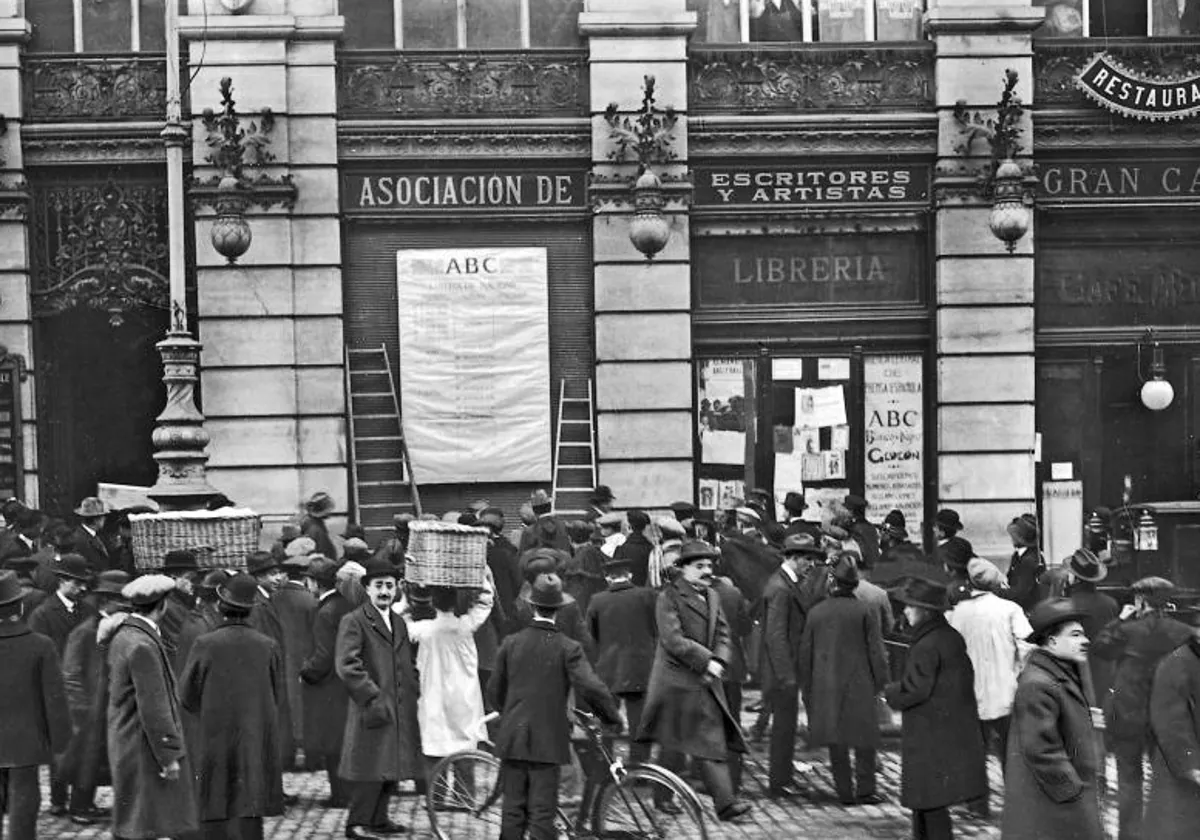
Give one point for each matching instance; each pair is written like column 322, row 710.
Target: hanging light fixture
column 1157, row 393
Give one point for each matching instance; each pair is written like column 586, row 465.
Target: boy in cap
column 35, row 722
column 382, row 745
column 1026, row 567
column 535, row 670
column 153, row 791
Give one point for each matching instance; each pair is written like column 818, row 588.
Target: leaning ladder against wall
column 574, row 446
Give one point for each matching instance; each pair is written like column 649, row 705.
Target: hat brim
column 229, row 602
column 909, row 600
column 4, row 602
column 1040, row 634
column 62, row 573
column 1100, row 574
column 564, row 601
column 807, row 551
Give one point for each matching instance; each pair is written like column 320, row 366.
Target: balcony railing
column 95, row 88
column 1056, row 63
column 790, row 78
column 425, row 85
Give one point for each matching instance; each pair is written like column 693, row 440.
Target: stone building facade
column 829, row 243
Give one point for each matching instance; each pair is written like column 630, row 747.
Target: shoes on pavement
column 783, row 791
column 290, row 799
column 389, row 828
column 57, row 810
column 733, row 811
column 360, row 832
column 82, row 819
column 870, row 799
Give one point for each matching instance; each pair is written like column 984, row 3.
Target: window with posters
column 820, row 425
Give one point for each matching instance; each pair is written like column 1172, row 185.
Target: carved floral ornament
column 77, row 89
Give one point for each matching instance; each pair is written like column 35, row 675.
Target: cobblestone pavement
column 817, row 816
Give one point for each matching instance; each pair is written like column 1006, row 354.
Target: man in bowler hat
column 535, row 670
column 266, row 618
column 35, row 723
column 182, row 565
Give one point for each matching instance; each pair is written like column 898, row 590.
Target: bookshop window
column 1119, row 18
column 114, row 26
column 461, row 24
column 829, row 21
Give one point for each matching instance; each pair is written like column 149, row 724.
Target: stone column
column 643, row 318
column 272, row 324
column 16, row 321
column 985, row 375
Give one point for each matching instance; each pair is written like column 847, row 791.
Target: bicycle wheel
column 463, row 800
column 649, row 803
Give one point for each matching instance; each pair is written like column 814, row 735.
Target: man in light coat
column 153, row 794
column 382, row 743
column 995, row 630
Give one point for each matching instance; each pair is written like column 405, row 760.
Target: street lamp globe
column 1009, row 219
column 1157, row 394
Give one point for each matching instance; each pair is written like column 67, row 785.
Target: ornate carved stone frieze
column 108, row 143
column 810, row 78
column 721, row 137
column 101, row 245
column 497, row 139
column 1067, row 130
column 1056, row 64
column 527, row 84
column 82, row 88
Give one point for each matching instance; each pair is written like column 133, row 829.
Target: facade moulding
column 638, row 24
column 786, row 136
column 94, row 143
column 1090, row 129
column 464, row 139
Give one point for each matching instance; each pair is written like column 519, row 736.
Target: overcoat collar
column 934, row 622
column 1062, row 672
column 620, row 586
column 691, row 596
column 373, row 618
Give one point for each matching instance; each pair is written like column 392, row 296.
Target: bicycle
column 621, row 802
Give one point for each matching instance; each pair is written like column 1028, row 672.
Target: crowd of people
column 191, row 690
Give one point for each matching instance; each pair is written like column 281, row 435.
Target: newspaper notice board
column 894, row 472
column 475, row 363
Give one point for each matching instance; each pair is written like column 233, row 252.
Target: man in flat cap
column 35, row 723
column 153, row 793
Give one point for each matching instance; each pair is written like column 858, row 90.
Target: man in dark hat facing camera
column 382, row 742
column 686, row 711
column 34, row 720
column 794, row 505
column 182, row 565
column 232, row 683
column 535, row 670
column 153, row 790
column 1050, row 785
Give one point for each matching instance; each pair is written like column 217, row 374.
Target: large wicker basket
column 220, row 538
column 446, row 554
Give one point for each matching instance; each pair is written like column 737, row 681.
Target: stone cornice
column 59, row 143
column 983, row 18
column 615, row 24
column 1099, row 131
column 770, row 136
column 15, row 30
column 465, row 139
column 236, row 27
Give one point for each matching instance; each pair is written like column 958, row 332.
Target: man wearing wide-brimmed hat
column 1050, row 781
column 85, row 539
column 1135, row 642
column 1086, row 571
column 153, row 791
column 1026, row 566
column 85, row 673
column 943, row 761
column 325, row 699
column 317, row 509
column 232, row 684
column 686, row 710
column 35, row 723
column 382, row 745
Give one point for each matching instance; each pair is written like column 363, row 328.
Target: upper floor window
column 1119, row 18
column 833, row 21
column 461, row 24
column 97, row 26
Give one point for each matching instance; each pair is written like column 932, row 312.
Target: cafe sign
column 1138, row 95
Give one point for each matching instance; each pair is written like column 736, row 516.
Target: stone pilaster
column 272, row 324
column 643, row 321
column 985, row 305
column 16, row 321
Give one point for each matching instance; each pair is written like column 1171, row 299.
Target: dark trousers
column 530, row 800
column 60, row 788
column 998, row 728
column 369, row 803
column 714, row 774
column 20, row 799
column 933, row 824
column 339, row 789
column 82, row 799
column 733, row 696
column 785, row 705
column 484, row 676
column 238, row 828
column 864, row 771
column 639, row 753
column 1129, row 755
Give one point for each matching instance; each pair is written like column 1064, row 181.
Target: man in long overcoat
column 34, row 720
column 1050, row 785
column 382, row 742
column 325, row 699
column 85, row 539
column 182, row 565
column 943, row 762
column 153, row 794
column 232, row 682
column 1174, row 809
column 85, row 673
column 844, row 667
column 297, row 609
column 788, row 596
column 686, row 712
column 267, row 619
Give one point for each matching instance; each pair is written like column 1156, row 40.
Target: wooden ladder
column 382, row 482
column 574, row 447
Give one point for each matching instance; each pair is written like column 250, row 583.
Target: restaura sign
column 1133, row 94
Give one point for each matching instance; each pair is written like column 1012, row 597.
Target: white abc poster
column 475, row 364
column 894, row 474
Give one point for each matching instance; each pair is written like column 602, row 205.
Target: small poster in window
column 835, row 463
column 835, row 368
column 840, row 438
column 732, row 494
column 806, row 441
column 710, row 490
column 784, row 439
column 789, row 473
column 898, row 20
column 816, row 407
column 842, row 20
column 813, row 467
column 722, row 411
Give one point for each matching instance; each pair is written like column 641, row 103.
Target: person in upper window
column 776, row 20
